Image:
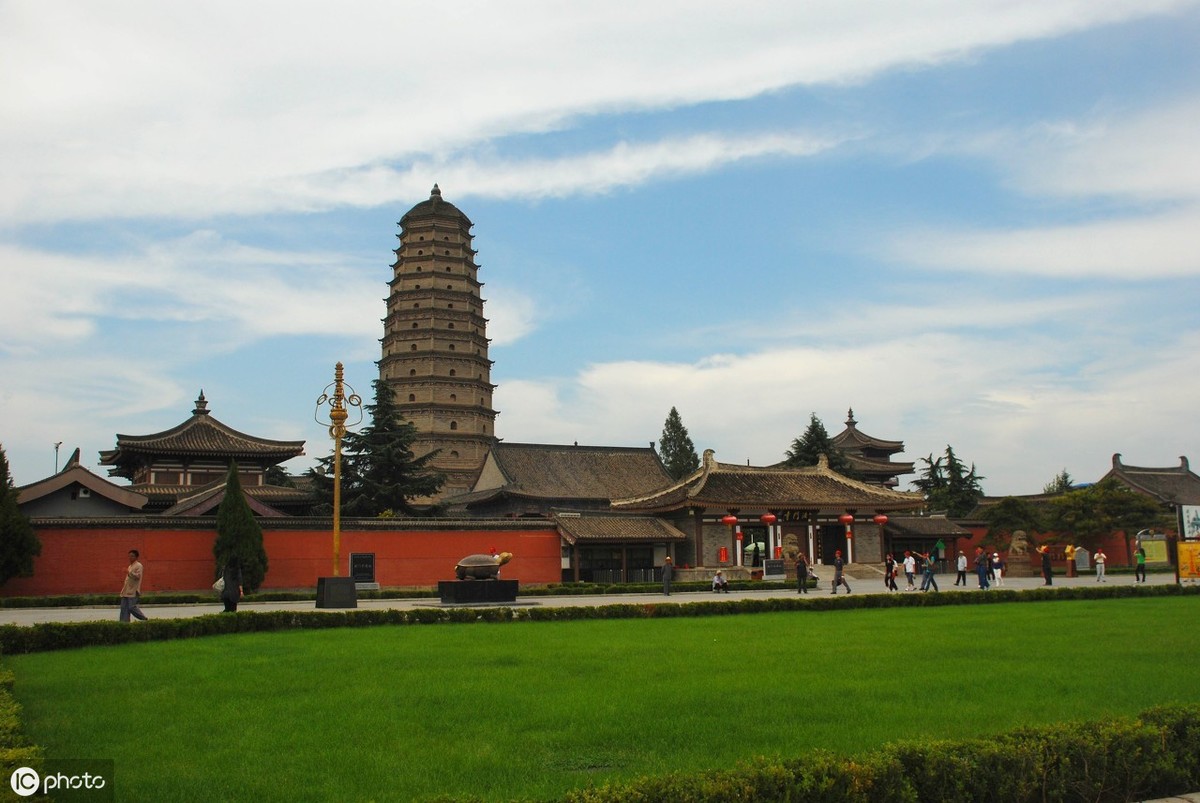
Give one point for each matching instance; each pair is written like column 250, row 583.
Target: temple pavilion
column 182, row 470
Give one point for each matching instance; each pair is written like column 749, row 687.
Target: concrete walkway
column 30, row 616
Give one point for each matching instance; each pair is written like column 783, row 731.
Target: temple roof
column 597, row 527
column 550, row 471
column 731, row 486
column 925, row 526
column 435, row 206
column 851, row 440
column 73, row 473
column 200, row 436
column 1173, row 485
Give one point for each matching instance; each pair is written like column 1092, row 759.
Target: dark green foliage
column 808, row 448
column 1008, row 516
column 380, row 475
column 1061, row 482
column 239, row 535
column 19, row 544
column 1091, row 514
column 948, row 485
column 1156, row 755
column 675, row 447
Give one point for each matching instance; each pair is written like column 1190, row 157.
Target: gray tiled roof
column 549, row 471
column 724, row 485
column 597, row 527
column 1175, row 485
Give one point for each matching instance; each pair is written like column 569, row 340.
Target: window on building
column 453, row 425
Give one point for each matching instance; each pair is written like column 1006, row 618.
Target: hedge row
column 17, row 639
column 15, row 749
column 1156, row 755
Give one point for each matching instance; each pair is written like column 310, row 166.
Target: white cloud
column 129, row 109
column 1152, row 246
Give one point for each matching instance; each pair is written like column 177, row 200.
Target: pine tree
column 1061, row 482
column 676, row 449
column 239, row 534
column 949, row 486
column 19, row 544
column 807, row 449
column 379, row 472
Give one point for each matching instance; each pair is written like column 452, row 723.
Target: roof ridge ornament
column 850, row 422
column 201, row 405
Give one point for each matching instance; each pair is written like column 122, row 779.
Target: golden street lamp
column 340, row 405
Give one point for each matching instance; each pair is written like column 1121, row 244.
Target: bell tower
column 435, row 345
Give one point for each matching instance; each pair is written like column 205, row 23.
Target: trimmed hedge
column 17, row 639
column 1156, row 755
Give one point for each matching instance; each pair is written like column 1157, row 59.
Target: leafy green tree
column 808, row 448
column 1091, row 514
column 948, row 485
column 1007, row 517
column 1061, row 482
column 380, row 474
column 675, row 447
column 19, row 544
column 239, row 534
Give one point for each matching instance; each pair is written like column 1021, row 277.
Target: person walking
column 131, row 591
column 668, row 575
column 839, row 569
column 930, row 567
column 1139, row 572
column 1100, row 558
column 910, row 570
column 962, row 569
column 998, row 568
column 231, row 595
column 1047, row 567
column 981, row 568
column 801, row 574
column 889, row 579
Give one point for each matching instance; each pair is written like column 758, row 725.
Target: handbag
column 219, row 586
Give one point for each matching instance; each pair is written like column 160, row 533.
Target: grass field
column 505, row 711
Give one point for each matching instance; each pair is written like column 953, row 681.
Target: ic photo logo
column 25, row 782
column 65, row 780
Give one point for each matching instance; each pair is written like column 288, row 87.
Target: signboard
column 1189, row 560
column 362, row 567
column 1191, row 522
column 774, row 569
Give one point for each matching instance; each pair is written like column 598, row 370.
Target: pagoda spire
column 201, row 405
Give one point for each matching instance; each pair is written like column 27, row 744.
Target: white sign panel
column 1191, row 522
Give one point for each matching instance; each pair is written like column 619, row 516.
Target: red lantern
column 739, row 535
column 880, row 519
column 729, row 520
column 723, row 554
column 846, row 519
column 768, row 519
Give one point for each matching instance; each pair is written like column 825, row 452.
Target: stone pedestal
column 465, row 592
column 336, row 592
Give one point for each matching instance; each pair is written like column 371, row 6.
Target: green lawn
column 533, row 709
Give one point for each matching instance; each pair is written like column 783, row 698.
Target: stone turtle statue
column 481, row 567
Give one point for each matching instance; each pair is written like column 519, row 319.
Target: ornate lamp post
column 339, row 411
column 848, row 520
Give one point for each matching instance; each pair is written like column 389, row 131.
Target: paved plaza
column 860, row 585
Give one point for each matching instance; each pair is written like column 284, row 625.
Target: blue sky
column 976, row 223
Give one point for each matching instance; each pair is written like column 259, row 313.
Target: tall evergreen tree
column 239, row 534
column 19, row 544
column 1061, row 482
column 675, row 447
column 379, row 471
column 807, row 449
column 948, row 485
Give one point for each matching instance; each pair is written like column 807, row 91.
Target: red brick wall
column 1113, row 546
column 79, row 560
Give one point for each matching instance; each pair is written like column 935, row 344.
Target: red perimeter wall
column 92, row 559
